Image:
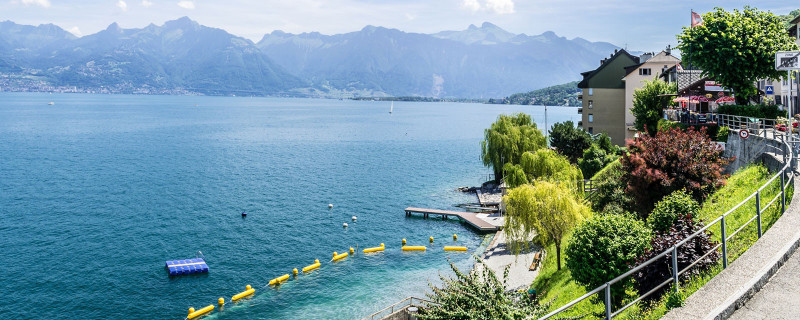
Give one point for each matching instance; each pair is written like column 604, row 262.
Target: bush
column 479, row 295
column 722, row 134
column 712, row 130
column 672, row 160
column 569, row 140
column 754, row 111
column 657, row 272
column 609, row 195
column 604, row 247
column 594, row 159
column 667, row 211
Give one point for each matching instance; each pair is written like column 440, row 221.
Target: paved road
column 780, row 297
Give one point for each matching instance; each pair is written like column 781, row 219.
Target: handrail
column 786, row 141
column 399, row 304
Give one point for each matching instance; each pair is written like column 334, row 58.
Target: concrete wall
column 753, row 149
column 608, row 110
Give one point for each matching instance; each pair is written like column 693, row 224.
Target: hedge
column 754, row 111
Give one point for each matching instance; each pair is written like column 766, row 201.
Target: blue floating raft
column 187, row 266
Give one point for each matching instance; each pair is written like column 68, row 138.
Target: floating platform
column 187, row 266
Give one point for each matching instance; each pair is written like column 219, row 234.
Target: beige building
column 650, row 68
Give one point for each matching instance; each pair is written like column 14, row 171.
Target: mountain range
column 182, row 56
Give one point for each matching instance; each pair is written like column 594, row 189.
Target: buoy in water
column 330, row 205
column 354, row 218
column 344, row 224
column 244, row 214
column 221, row 301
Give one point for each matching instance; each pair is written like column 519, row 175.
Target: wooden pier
column 470, row 217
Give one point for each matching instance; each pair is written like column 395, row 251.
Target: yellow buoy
column 351, row 250
column 280, row 279
column 248, row 291
column 294, row 271
column 449, row 248
column 431, row 239
column 191, row 309
column 375, row 249
column 200, row 312
column 414, row 248
column 404, row 241
column 338, row 256
column 455, row 237
column 311, row 266
column 221, row 301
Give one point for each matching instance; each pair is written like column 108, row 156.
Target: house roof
column 796, row 20
column 687, row 78
column 589, row 74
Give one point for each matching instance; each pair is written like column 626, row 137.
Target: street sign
column 770, row 90
column 787, row 60
column 743, row 134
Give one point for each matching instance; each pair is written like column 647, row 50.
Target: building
column 607, row 92
column 603, row 96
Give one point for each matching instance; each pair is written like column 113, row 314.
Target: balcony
column 580, row 96
column 580, row 110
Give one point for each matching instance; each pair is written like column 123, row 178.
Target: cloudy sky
column 640, row 25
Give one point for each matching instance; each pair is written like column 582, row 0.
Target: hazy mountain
column 183, row 56
column 477, row 62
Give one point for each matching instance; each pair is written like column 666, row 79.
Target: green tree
column 549, row 165
column 594, row 159
column 604, row 247
column 736, row 48
column 548, row 210
column 569, row 140
column 603, row 141
column 507, row 139
column 478, row 295
column 667, row 211
column 648, row 104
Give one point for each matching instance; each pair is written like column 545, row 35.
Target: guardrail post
column 783, row 190
column 758, row 211
column 724, row 244
column 608, row 301
column 675, row 266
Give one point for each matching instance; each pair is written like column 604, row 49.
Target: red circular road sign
column 744, row 134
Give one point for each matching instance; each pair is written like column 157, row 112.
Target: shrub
column 604, row 247
column 594, row 159
column 657, row 272
column 712, row 130
column 722, row 134
column 670, row 161
column 667, row 211
column 609, row 195
column 648, row 104
column 479, row 295
column 755, row 111
column 569, row 140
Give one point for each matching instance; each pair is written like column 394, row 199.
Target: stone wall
column 753, row 149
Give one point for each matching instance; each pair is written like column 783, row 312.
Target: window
column 591, row 103
column 645, row 72
column 591, row 130
column 590, row 91
column 591, row 118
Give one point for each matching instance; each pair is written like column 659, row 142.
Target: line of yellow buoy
column 336, row 256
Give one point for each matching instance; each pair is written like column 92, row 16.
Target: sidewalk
column 779, row 299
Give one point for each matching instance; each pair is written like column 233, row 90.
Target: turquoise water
column 97, row 191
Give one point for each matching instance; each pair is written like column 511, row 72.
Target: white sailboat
column 391, row 108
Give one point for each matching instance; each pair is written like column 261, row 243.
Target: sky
column 641, row 25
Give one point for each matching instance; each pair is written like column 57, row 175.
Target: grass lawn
column 558, row 285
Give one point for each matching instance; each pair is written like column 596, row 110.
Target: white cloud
column 41, row 3
column 500, row 6
column 122, row 5
column 186, row 5
column 471, row 5
column 76, row 31
column 146, row 4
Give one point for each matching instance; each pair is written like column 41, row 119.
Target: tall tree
column 736, row 48
column 546, row 164
column 648, row 105
column 548, row 210
column 569, row 140
column 507, row 139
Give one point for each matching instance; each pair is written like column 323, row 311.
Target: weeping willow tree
column 507, row 139
column 544, row 164
column 547, row 210
column 479, row 295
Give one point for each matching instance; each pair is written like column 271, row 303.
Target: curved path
column 779, row 298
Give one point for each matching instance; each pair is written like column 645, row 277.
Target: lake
column 98, row 191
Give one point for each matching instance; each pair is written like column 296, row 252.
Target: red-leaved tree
column 672, row 160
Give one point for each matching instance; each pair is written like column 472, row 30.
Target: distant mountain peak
column 182, row 23
column 472, row 27
column 489, row 25
column 488, row 33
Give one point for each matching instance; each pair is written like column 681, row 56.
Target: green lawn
column 558, row 286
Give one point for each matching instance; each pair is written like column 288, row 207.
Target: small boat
column 52, row 103
column 244, row 214
column 391, row 108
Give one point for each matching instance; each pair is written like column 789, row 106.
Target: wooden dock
column 470, row 217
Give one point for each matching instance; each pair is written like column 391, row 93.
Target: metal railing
column 410, row 301
column 787, row 142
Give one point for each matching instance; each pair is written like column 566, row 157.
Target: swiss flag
column 697, row 20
